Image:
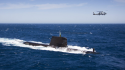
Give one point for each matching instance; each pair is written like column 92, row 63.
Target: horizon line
column 62, row 23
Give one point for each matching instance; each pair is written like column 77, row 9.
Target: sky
column 61, row 11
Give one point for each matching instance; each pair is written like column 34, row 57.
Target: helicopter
column 100, row 13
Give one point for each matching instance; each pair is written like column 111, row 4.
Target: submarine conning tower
column 58, row 41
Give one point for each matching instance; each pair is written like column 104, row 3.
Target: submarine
column 59, row 42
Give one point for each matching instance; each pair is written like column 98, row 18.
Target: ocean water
column 107, row 39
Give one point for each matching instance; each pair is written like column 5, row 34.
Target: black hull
column 58, row 42
column 68, row 49
column 35, row 44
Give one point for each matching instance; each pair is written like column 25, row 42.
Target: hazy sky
column 61, row 11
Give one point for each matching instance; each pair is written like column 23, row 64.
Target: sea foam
column 19, row 43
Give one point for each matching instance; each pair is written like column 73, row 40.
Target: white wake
column 19, row 43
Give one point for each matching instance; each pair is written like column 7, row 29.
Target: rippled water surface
column 107, row 39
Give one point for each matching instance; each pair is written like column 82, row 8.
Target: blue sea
column 108, row 40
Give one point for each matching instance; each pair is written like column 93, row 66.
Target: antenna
column 59, row 33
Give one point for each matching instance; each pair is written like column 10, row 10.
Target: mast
column 59, row 34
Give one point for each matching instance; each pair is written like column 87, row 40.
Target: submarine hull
column 68, row 49
column 35, row 44
column 58, row 42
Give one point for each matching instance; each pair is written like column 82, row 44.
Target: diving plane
column 100, row 13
